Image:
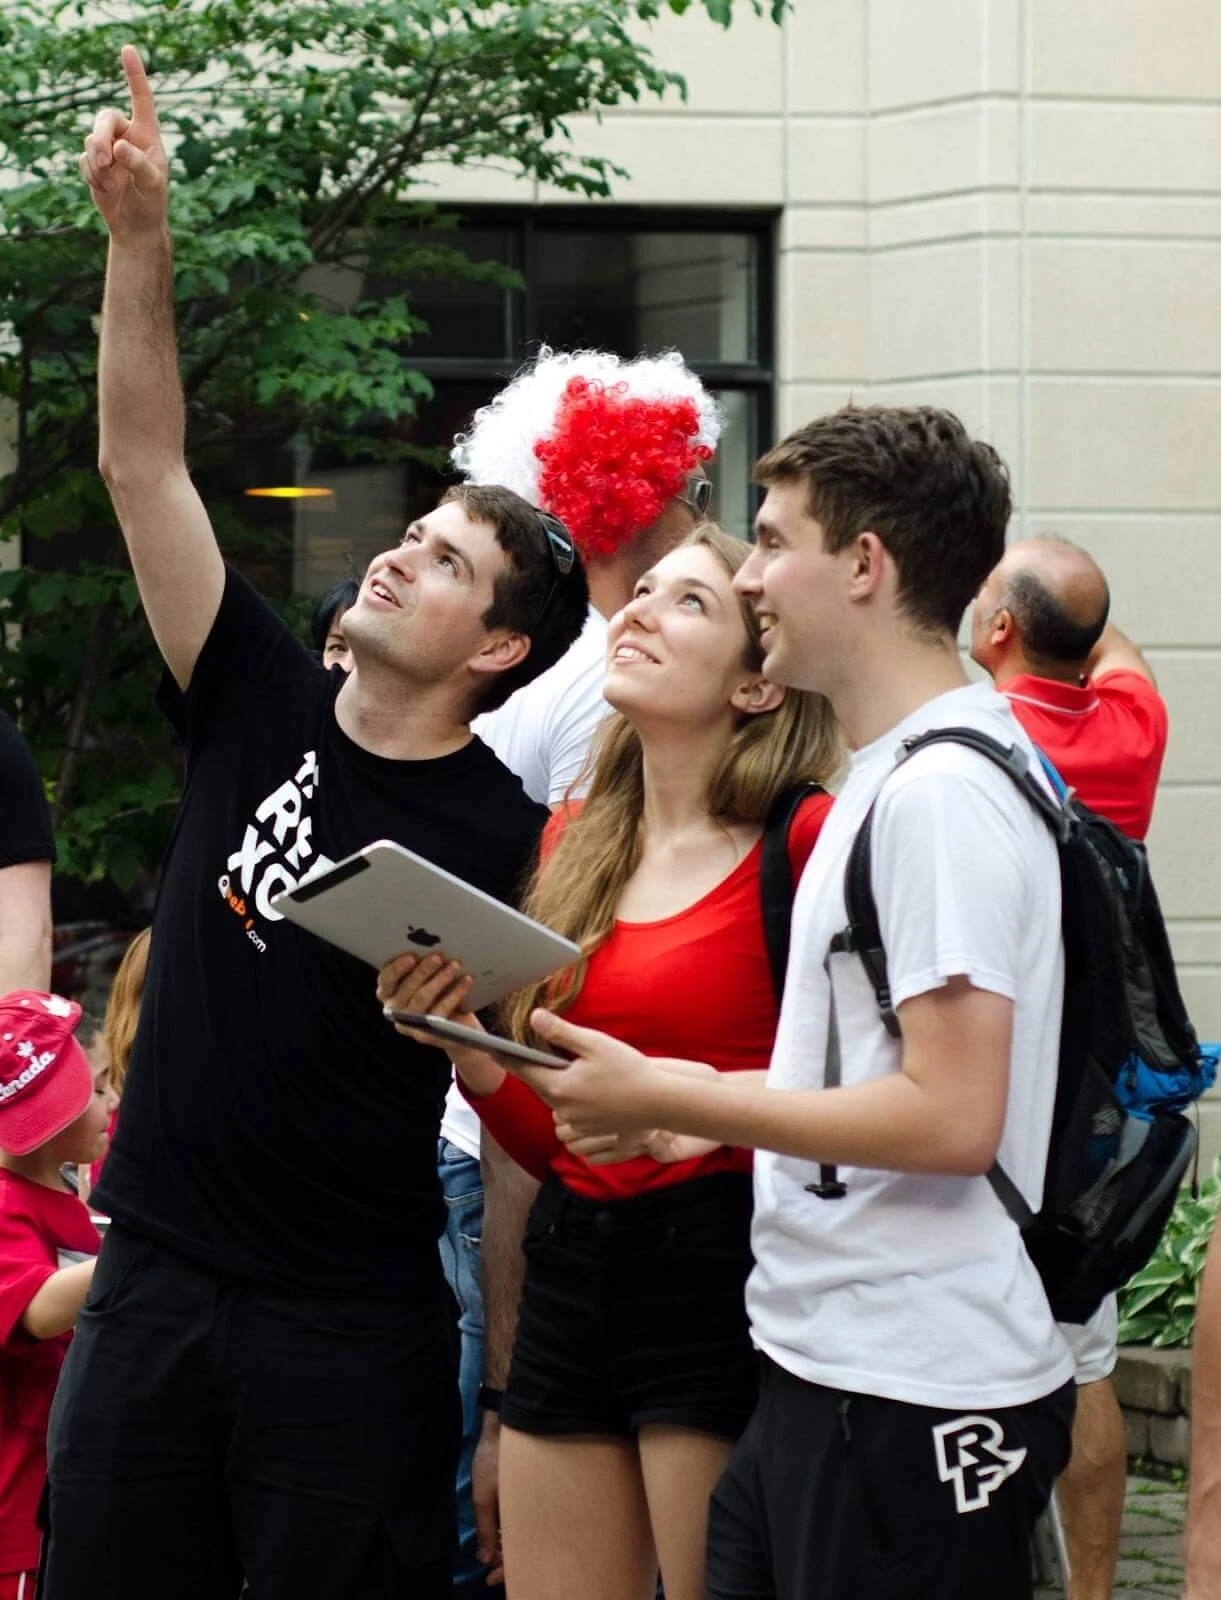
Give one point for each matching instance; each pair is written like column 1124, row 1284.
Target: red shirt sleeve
column 515, row 1116
column 520, row 1123
column 804, row 830
column 25, row 1266
column 1137, row 726
column 556, row 823
column 1140, row 699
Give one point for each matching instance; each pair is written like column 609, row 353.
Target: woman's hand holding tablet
column 440, row 1030
column 424, row 998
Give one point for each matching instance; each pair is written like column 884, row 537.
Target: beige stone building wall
column 1013, row 208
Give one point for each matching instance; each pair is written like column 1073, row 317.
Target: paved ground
column 1151, row 1553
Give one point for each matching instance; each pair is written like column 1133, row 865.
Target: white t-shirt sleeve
column 950, row 877
column 574, row 723
column 543, row 732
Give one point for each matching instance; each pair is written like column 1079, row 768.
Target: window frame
column 760, row 225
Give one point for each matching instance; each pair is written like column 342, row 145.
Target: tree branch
column 23, row 482
column 336, row 220
column 69, row 767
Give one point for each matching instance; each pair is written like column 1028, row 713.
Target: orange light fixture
column 291, row 492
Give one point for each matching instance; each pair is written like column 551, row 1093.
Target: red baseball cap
column 45, row 1076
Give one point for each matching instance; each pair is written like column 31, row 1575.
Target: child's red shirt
column 41, row 1230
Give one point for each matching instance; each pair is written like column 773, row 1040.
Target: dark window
column 632, row 291
column 614, row 280
column 468, row 320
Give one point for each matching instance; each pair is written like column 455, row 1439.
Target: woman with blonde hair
column 632, row 1370
column 119, row 1026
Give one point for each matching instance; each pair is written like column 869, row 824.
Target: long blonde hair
column 577, row 889
column 123, row 1008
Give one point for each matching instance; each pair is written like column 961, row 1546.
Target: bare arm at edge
column 1204, row 1502
column 53, row 1309
column 25, row 926
column 508, row 1194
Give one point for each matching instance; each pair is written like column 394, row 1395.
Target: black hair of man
column 336, row 599
column 532, row 597
column 1047, row 631
column 87, row 1030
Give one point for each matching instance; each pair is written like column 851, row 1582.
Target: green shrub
column 1158, row 1305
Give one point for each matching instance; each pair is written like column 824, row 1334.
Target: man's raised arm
column 142, row 418
column 1115, row 652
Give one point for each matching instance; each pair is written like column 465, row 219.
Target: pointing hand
column 125, row 164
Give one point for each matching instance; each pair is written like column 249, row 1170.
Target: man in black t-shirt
column 27, row 850
column 263, row 1382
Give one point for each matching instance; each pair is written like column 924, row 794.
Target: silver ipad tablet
column 442, row 1029
column 385, row 899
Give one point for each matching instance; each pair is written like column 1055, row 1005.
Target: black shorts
column 838, row 1496
column 207, row 1429
column 633, row 1311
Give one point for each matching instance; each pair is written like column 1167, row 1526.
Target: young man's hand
column 606, row 1149
column 609, row 1088
column 125, row 164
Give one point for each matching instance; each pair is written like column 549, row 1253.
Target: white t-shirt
column 915, row 1287
column 460, row 1122
column 543, row 734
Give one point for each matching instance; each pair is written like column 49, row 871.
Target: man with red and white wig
column 618, row 450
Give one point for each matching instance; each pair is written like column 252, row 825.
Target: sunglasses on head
column 562, row 550
column 696, row 495
column 559, row 543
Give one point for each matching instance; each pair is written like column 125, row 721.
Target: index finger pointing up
column 138, row 85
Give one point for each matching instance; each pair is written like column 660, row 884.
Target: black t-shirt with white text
column 25, row 817
column 273, row 1125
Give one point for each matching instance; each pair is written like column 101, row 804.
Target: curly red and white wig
column 602, row 443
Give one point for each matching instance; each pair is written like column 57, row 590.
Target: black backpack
column 1112, row 1176
column 776, row 878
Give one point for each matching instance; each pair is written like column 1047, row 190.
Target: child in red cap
column 53, row 1111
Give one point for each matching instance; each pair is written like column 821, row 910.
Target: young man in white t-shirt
column 917, row 1396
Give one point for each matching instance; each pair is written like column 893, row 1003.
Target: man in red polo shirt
column 1083, row 692
column 1087, row 697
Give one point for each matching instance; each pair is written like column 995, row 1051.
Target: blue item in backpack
column 1062, row 790
column 1143, row 1091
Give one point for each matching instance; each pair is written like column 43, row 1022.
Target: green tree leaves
column 299, row 138
column 1158, row 1305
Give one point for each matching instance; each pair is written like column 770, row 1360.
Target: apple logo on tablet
column 422, row 936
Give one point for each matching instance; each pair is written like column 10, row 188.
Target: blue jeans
column 462, row 1184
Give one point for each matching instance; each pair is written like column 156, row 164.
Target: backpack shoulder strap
column 863, row 933
column 1063, row 793
column 1011, row 759
column 776, row 878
